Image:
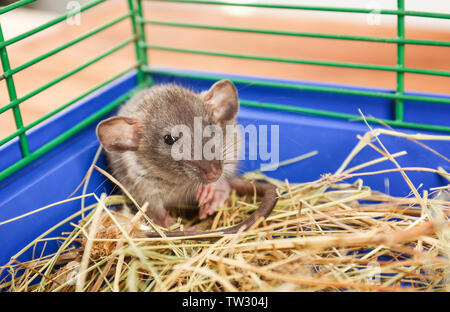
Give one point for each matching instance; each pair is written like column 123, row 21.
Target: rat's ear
column 119, row 134
column 222, row 99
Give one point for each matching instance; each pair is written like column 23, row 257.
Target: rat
column 138, row 144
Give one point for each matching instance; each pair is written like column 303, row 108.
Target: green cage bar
column 65, row 46
column 141, row 42
column 65, row 136
column 317, row 112
column 397, row 68
column 298, row 34
column 307, row 87
column 15, row 5
column 309, row 8
column 138, row 49
column 138, row 38
column 62, row 107
column 50, row 23
column 16, row 102
column 13, row 97
column 399, row 104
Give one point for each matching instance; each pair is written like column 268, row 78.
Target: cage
column 43, row 160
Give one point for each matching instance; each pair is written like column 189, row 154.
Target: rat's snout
column 211, row 170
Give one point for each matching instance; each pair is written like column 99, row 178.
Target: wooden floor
column 269, row 45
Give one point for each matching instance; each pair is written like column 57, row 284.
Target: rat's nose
column 210, row 169
column 213, row 174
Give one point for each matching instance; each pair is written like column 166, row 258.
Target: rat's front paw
column 211, row 197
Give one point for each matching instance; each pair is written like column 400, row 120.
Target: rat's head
column 155, row 134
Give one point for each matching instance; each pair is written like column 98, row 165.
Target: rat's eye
column 169, row 140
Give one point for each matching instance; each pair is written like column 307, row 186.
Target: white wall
column 440, row 6
column 59, row 6
column 413, row 5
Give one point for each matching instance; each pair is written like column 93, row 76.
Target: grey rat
column 138, row 144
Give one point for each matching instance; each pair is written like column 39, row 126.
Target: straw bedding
column 324, row 235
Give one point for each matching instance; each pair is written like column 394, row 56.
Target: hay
column 324, row 235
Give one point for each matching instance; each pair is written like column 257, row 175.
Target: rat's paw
column 211, row 197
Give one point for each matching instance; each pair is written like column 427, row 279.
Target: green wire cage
column 139, row 24
column 29, row 154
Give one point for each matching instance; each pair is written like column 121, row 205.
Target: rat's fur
column 149, row 173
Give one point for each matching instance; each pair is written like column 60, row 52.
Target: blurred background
column 373, row 24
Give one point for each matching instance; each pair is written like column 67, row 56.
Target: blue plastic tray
column 54, row 176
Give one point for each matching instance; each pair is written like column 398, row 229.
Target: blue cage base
column 54, row 176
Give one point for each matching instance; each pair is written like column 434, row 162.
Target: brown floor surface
column 258, row 44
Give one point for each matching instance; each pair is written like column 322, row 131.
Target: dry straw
column 324, row 235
